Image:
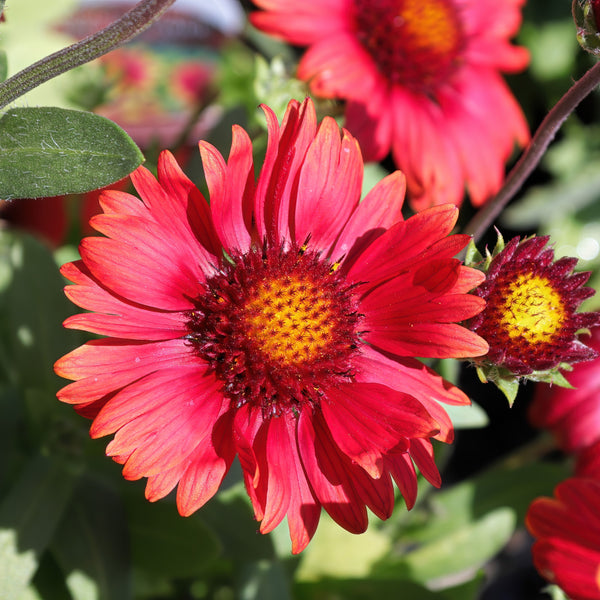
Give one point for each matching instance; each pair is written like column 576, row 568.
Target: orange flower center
column 276, row 326
column 290, row 319
column 532, row 310
column 416, row 43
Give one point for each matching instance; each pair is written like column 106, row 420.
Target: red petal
column 367, row 420
column 121, row 318
column 407, row 243
column 410, row 375
column 329, row 186
column 104, row 366
column 231, row 189
column 433, row 340
column 329, row 473
column 381, row 208
column 288, row 491
column 208, row 465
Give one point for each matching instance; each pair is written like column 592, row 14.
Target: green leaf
column 92, row 543
column 467, row 417
column 29, row 516
column 230, row 518
column 362, row 589
column 458, row 529
column 3, row 65
column 167, row 544
column 509, row 386
column 32, row 309
column 334, row 552
column 473, row 257
column 50, row 151
column 11, row 431
column 263, row 580
column 464, row 549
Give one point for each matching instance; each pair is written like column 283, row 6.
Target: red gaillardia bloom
column 279, row 324
column 573, row 415
column 421, row 77
column 567, row 528
column 530, row 320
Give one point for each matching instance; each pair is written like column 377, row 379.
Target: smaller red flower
column 530, row 321
column 567, row 528
column 572, row 415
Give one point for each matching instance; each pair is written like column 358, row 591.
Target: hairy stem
column 132, row 23
column 534, row 152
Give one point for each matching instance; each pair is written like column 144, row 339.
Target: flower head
column 279, row 324
column 567, row 528
column 531, row 321
column 572, row 415
column 420, row 77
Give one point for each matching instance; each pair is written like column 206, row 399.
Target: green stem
column 534, row 152
column 132, row 23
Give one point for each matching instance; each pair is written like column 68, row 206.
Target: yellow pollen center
column 290, row 320
column 430, row 25
column 532, row 309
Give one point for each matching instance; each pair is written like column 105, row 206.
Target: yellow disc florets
column 276, row 326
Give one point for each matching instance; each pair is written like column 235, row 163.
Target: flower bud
column 531, row 321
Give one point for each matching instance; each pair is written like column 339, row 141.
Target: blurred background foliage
column 72, row 529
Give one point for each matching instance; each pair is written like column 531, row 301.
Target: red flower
column 279, row 323
column 421, row 78
column 567, row 528
column 531, row 321
column 573, row 415
column 588, row 461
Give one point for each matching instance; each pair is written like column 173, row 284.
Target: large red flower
column 567, row 528
column 279, row 324
column 421, row 77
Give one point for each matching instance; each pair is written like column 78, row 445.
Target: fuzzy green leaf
column 50, row 151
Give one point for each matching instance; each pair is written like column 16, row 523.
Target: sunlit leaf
column 32, row 309
column 29, row 515
column 50, row 151
column 3, row 64
column 467, row 417
column 92, row 543
column 263, row 580
column 464, row 549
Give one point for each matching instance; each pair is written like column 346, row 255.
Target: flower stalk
column 131, row 24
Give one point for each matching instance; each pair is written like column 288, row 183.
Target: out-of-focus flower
column 531, row 321
column 567, row 528
column 51, row 218
column 154, row 95
column 573, row 415
column 588, row 461
column 421, row 77
column 159, row 88
column 280, row 323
